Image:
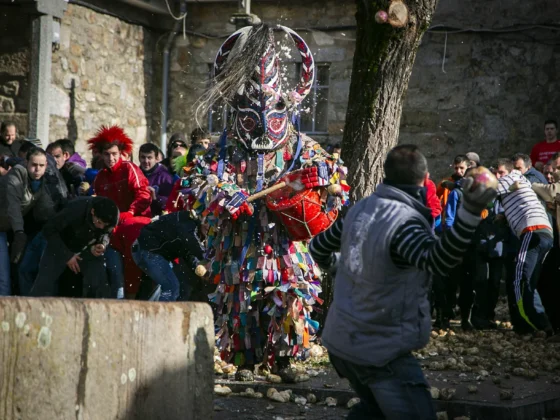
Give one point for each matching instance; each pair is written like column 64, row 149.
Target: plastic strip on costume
column 249, row 237
column 222, row 155
column 260, row 171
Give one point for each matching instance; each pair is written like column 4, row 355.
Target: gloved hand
column 315, row 176
column 238, row 205
column 477, row 199
column 18, row 246
column 125, row 215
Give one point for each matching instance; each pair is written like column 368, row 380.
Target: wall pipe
column 165, row 79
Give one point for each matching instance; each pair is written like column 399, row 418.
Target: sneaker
column 154, row 297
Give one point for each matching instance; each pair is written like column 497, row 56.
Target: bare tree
column 383, row 60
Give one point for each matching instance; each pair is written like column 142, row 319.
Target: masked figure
column 256, row 254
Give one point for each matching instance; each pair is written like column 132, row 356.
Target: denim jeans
column 29, row 266
column 159, row 270
column 397, row 390
column 5, row 279
column 115, row 269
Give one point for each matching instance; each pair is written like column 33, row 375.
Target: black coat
column 73, row 229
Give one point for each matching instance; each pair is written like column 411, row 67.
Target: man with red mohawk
column 124, row 183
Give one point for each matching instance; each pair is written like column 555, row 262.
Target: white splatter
column 20, row 319
column 124, row 356
column 26, row 329
column 44, row 337
column 48, row 320
column 93, row 344
column 5, row 326
column 132, row 374
column 123, row 378
column 136, row 315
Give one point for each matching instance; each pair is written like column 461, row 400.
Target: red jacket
column 432, row 199
column 127, row 186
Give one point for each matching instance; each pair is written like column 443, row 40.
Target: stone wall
column 491, row 95
column 101, row 74
column 15, row 41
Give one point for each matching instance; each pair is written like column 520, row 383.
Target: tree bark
column 382, row 66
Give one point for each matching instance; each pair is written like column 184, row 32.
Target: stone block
column 59, row 102
column 105, row 359
column 329, row 54
column 7, row 104
column 10, row 88
column 76, row 50
column 321, row 38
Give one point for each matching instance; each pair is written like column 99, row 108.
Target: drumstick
column 266, row 191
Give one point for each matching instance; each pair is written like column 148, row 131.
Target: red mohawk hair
column 111, row 136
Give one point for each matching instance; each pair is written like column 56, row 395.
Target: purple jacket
column 76, row 158
column 160, row 179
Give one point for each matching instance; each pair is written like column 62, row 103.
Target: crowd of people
column 67, row 229
column 516, row 243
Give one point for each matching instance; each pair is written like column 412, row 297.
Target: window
column 315, row 107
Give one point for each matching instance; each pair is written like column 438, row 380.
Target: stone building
column 485, row 77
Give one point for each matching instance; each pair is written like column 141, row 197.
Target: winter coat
column 17, row 199
column 160, row 179
column 127, row 186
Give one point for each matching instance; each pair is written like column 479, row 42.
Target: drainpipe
column 165, row 79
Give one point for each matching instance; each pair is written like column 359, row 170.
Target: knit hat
column 474, row 157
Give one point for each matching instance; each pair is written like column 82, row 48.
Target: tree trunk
column 381, row 71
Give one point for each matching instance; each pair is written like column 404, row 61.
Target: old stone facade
column 483, row 80
column 490, row 93
column 101, row 75
column 14, row 67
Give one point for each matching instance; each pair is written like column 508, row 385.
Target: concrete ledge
column 105, row 359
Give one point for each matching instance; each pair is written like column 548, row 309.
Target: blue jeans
column 115, row 269
column 160, row 271
column 397, row 390
column 5, row 280
column 29, row 266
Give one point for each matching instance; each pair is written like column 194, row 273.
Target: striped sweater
column 412, row 244
column 522, row 207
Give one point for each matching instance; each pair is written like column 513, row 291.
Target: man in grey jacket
column 380, row 311
column 22, row 190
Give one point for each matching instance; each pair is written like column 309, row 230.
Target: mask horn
column 307, row 68
column 227, row 47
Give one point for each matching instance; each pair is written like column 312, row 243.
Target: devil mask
column 247, row 72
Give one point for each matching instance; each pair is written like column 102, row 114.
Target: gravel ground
column 259, row 409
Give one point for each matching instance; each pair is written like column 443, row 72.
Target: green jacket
column 17, row 199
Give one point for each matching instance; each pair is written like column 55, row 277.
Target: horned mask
column 247, row 71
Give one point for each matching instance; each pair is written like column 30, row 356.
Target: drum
column 301, row 211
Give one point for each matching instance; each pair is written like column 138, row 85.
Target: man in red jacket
column 124, row 183
column 542, row 152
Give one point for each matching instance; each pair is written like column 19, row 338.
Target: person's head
column 405, row 165
column 200, row 136
column 474, row 159
column 555, row 160
column 460, row 166
column 177, row 141
column 25, row 148
column 550, row 130
column 148, row 156
column 159, row 155
column 521, row 162
column 548, row 172
column 337, row 149
column 9, row 132
column 503, row 167
column 61, row 151
column 104, row 213
column 112, row 144
column 36, row 163
column 111, row 155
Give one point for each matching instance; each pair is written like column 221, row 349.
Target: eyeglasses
column 178, row 144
